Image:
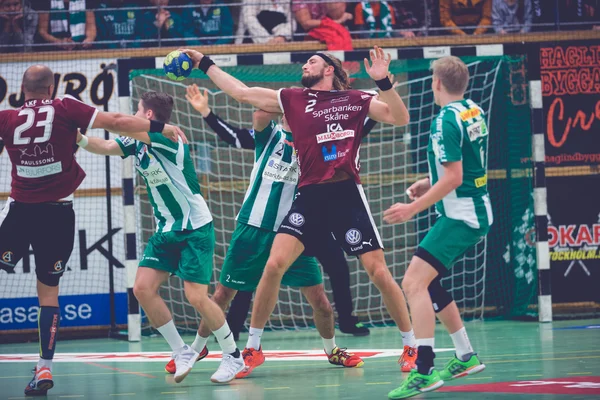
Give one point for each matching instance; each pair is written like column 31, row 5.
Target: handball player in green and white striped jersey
column 268, row 199
column 184, row 241
column 457, row 155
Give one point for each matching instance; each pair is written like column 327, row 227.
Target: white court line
column 272, row 355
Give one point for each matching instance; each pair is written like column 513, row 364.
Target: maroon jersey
column 327, row 129
column 40, row 138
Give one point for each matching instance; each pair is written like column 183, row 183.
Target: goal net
column 392, row 158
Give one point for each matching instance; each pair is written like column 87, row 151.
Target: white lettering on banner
column 331, row 136
column 38, row 172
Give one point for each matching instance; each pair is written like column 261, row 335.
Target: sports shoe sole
column 472, row 371
column 181, row 377
column 46, row 384
column 430, row 388
column 227, row 381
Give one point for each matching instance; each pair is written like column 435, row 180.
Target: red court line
column 121, row 370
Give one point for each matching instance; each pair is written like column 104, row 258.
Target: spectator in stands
column 388, row 19
column 544, row 15
column 68, row 24
column 18, row 25
column 210, row 22
column 168, row 24
column 270, row 22
column 579, row 14
column 119, row 28
column 512, row 16
column 463, row 17
column 309, row 15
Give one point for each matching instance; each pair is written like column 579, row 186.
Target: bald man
column 40, row 138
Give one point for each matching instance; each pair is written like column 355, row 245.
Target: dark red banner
column 570, row 75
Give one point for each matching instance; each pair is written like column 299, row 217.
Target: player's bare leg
column 232, row 363
column 393, row 298
column 48, row 323
column 284, row 251
column 222, row 297
column 145, row 289
column 324, row 321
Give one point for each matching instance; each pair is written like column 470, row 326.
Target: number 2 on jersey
column 46, row 123
column 310, row 106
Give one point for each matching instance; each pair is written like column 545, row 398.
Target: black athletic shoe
column 355, row 328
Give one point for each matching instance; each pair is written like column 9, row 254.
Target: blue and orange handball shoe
column 41, row 382
column 339, row 356
column 170, row 367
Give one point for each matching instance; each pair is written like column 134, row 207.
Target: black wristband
column 156, row 126
column 384, row 84
column 205, row 64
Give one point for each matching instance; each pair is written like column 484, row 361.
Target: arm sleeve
column 82, row 115
column 262, row 138
column 486, row 18
column 238, row 137
column 528, row 17
column 450, row 141
column 497, row 17
column 368, row 126
column 163, row 145
column 127, row 145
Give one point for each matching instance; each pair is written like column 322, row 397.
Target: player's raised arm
column 390, row 108
column 98, row 145
column 234, row 136
column 263, row 98
column 135, row 127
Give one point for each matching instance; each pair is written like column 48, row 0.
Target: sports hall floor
column 525, row 360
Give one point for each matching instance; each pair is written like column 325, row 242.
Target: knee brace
column 439, row 296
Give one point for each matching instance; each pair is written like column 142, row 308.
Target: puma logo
column 312, row 94
column 369, row 242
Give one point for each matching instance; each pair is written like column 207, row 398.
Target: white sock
column 461, row 343
column 426, row 342
column 329, row 345
column 254, row 338
column 408, row 338
column 42, row 363
column 225, row 338
column 171, row 335
column 199, row 343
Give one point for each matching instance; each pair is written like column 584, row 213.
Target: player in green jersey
column 268, row 199
column 457, row 185
column 184, row 240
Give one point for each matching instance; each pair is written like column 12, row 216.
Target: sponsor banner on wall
column 570, row 75
column 574, row 238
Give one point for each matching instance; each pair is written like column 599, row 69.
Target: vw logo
column 353, row 236
column 296, row 219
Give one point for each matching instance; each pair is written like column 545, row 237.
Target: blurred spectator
column 378, row 18
column 389, row 19
column 309, row 15
column 267, row 21
column 544, row 15
column 18, row 25
column 168, row 24
column 580, row 14
column 464, row 17
column 118, row 21
column 207, row 23
column 66, row 23
column 512, row 16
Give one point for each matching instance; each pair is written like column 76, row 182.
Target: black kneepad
column 439, row 296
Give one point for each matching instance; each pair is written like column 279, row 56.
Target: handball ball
column 177, row 65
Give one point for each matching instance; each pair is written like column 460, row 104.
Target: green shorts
column 447, row 241
column 247, row 256
column 187, row 254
